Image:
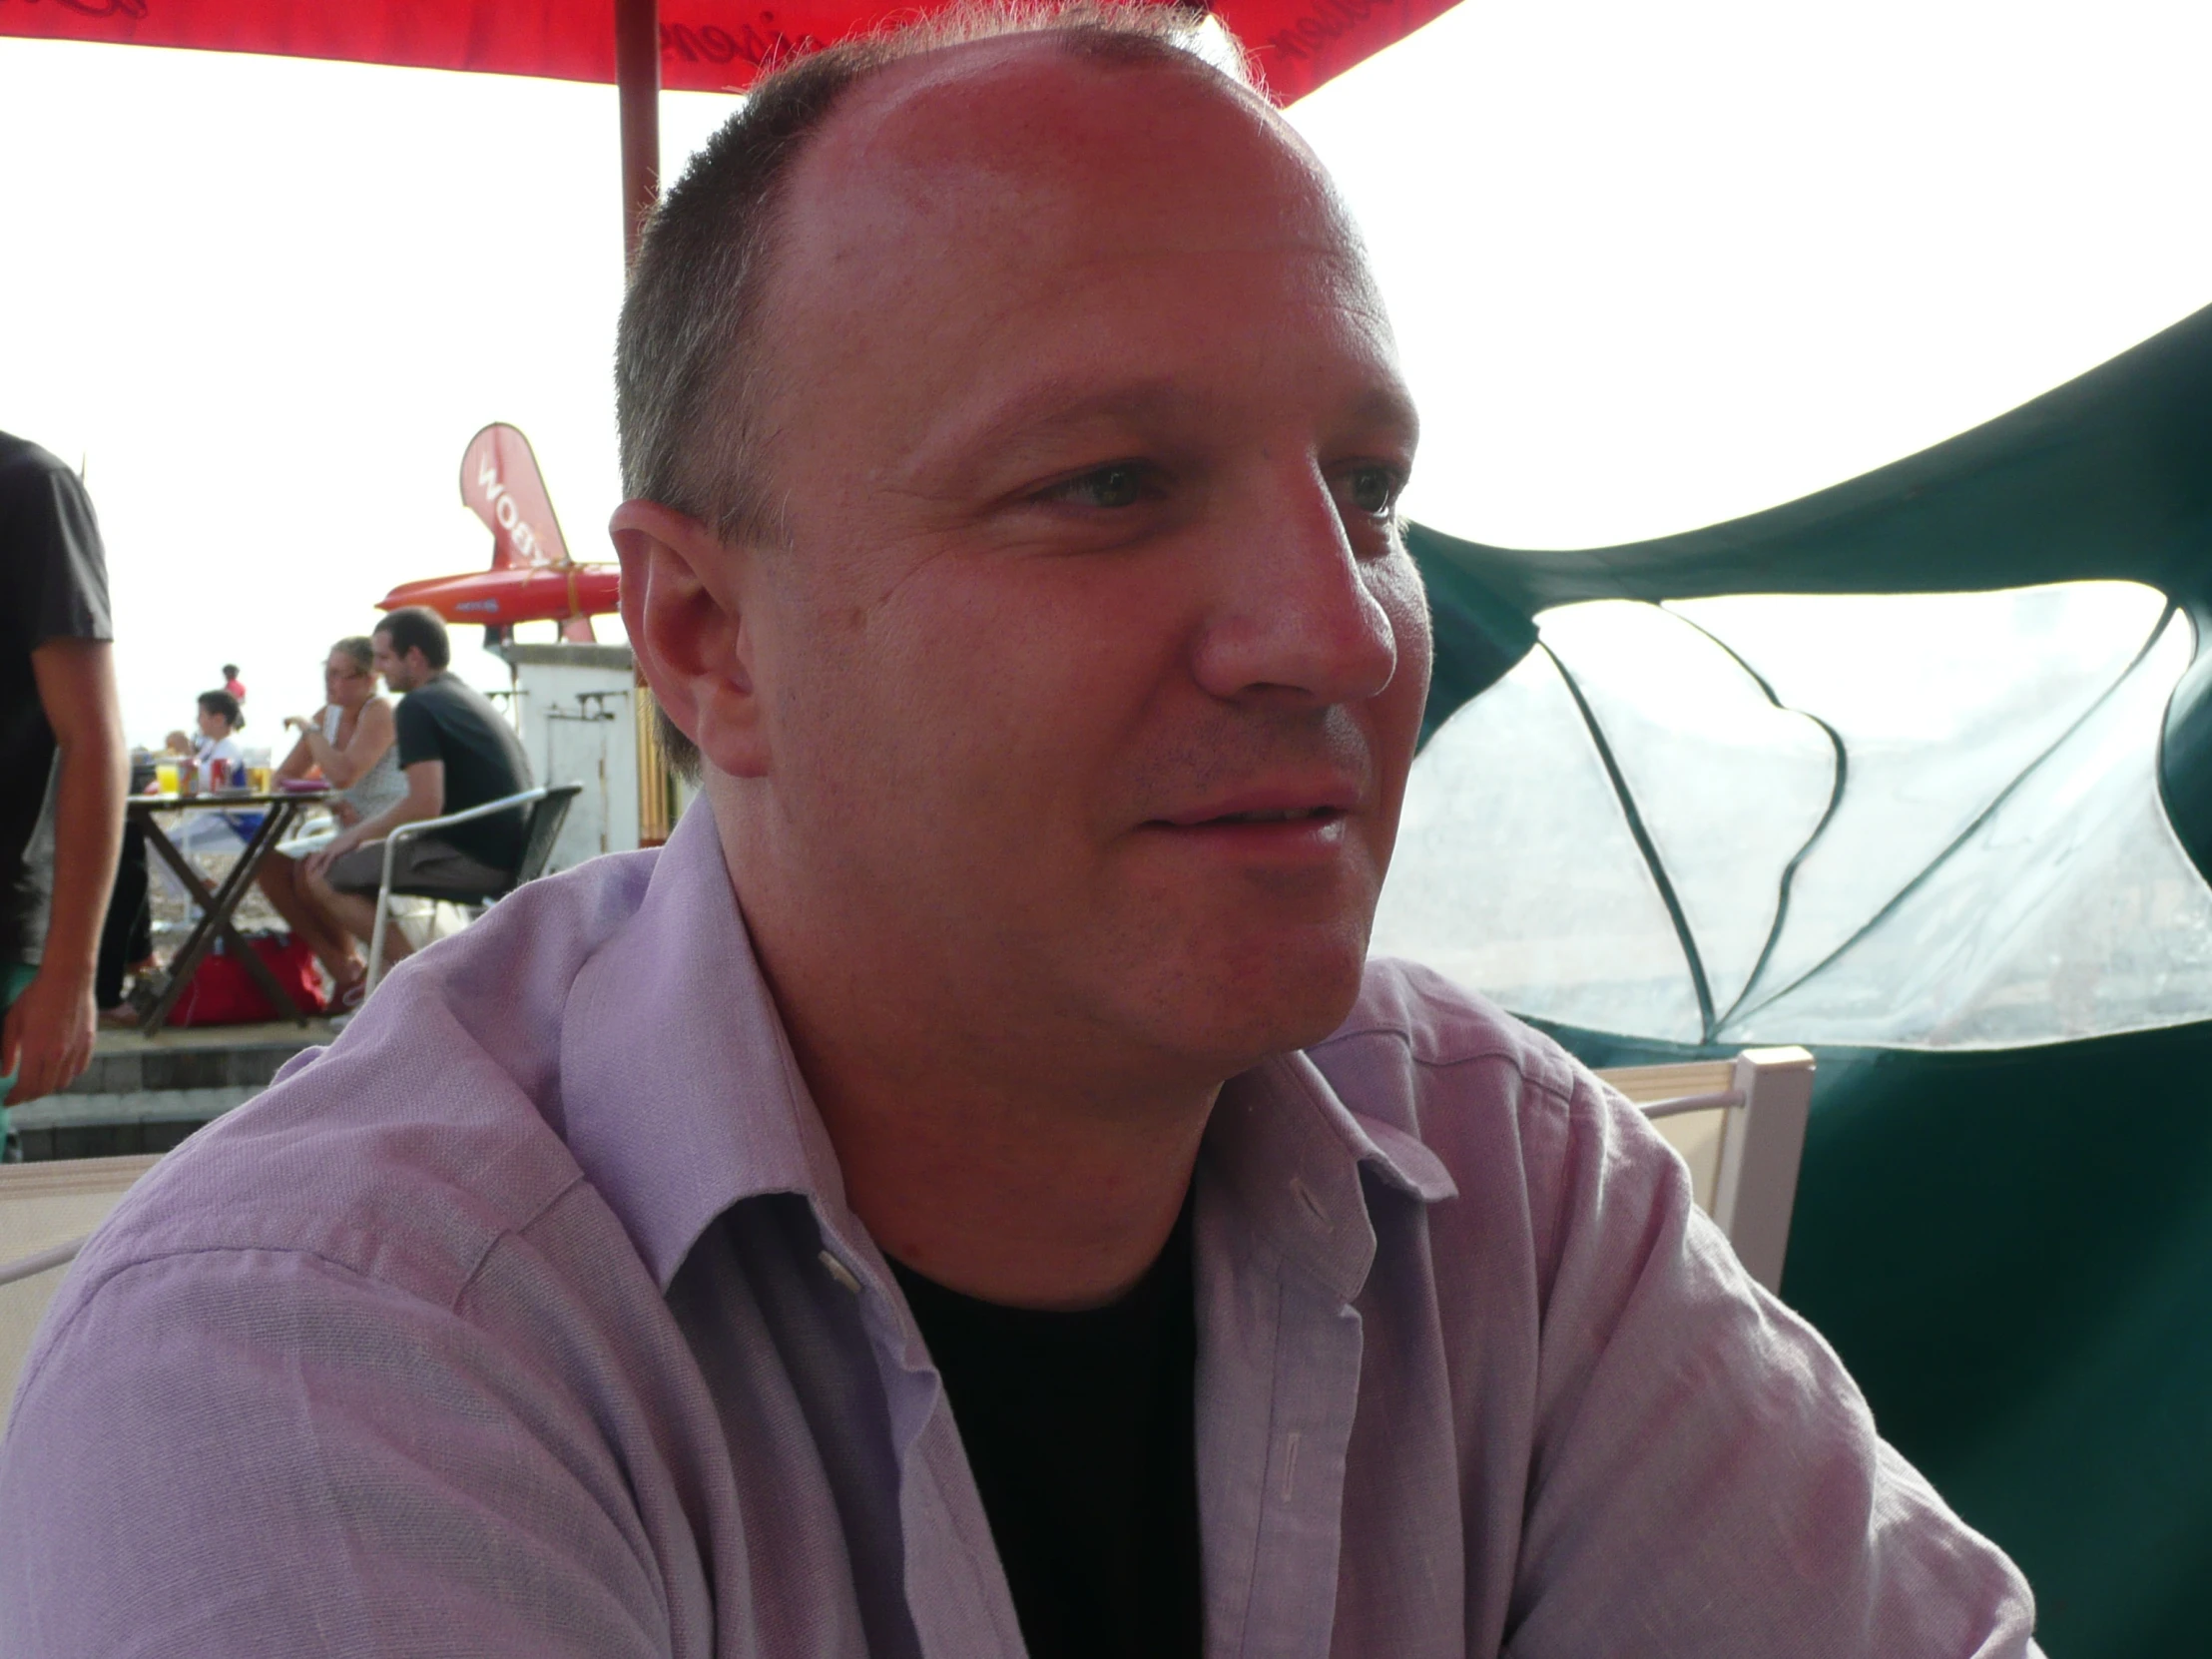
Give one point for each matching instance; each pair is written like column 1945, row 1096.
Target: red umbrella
column 703, row 45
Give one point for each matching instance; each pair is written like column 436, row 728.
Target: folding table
column 279, row 811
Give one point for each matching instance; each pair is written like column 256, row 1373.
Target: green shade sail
column 1646, row 770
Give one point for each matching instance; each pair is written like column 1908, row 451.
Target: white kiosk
column 584, row 719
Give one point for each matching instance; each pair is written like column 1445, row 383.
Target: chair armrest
column 420, row 825
column 43, row 1261
column 1679, row 1105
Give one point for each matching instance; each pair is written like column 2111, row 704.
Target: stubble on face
column 997, row 672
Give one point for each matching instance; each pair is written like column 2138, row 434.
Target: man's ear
column 683, row 603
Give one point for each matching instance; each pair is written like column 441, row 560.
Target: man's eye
column 1372, row 489
column 1119, row 485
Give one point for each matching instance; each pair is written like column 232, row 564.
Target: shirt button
column 841, row 1273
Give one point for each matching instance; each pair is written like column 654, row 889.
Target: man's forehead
column 1045, row 123
column 1013, row 221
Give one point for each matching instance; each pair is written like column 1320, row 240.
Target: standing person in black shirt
column 62, row 769
column 455, row 753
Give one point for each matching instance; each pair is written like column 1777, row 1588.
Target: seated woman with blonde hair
column 349, row 739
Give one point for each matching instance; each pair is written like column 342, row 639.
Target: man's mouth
column 1283, row 818
column 1279, row 814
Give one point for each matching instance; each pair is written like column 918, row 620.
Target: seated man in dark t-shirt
column 455, row 753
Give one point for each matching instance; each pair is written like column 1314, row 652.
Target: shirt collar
column 678, row 1085
column 681, row 1097
column 1292, row 1152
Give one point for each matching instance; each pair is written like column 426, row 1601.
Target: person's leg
column 127, row 920
column 347, row 892
column 289, row 895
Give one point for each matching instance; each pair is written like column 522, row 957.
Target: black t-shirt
column 452, row 720
column 1079, row 1428
column 53, row 586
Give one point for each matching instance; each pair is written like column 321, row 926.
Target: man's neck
column 1031, row 1183
column 1010, row 1200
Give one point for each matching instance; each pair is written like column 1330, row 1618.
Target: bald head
column 1040, row 110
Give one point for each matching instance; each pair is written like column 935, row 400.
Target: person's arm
column 327, row 758
column 372, row 735
column 301, row 761
column 425, row 798
column 47, row 1035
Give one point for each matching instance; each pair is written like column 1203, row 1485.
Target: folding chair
column 548, row 810
column 47, row 1212
column 1740, row 1125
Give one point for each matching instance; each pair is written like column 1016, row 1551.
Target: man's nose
column 1293, row 615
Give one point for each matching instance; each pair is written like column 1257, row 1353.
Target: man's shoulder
column 22, row 461
column 430, row 1130
column 1432, row 1060
column 42, row 497
column 1437, row 1027
column 41, row 494
column 450, row 704
column 427, row 713
column 434, row 699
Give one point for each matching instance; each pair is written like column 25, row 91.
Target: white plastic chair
column 550, row 805
column 1740, row 1125
column 47, row 1212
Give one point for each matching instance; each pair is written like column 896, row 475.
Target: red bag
column 220, row 991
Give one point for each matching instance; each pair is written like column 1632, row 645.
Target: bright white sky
column 1652, row 267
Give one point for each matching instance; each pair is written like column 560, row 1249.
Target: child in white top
column 220, row 718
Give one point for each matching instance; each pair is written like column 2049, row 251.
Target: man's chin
column 1237, row 1013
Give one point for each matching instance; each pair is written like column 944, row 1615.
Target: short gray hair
column 686, row 378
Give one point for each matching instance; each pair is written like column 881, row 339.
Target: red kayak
column 502, row 597
column 532, row 578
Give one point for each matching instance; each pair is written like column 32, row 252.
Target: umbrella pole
column 638, row 76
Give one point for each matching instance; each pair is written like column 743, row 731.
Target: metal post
column 655, row 790
column 638, row 76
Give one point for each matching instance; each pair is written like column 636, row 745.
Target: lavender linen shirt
column 529, row 1318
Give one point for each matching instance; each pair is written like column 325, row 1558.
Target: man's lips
column 1285, row 807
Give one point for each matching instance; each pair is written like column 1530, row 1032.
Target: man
column 923, row 1209
column 64, row 771
column 455, row 753
column 231, row 683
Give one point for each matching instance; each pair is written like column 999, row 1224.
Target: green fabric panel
column 2013, row 1253
column 2012, row 1249
column 2108, row 475
column 1478, row 637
